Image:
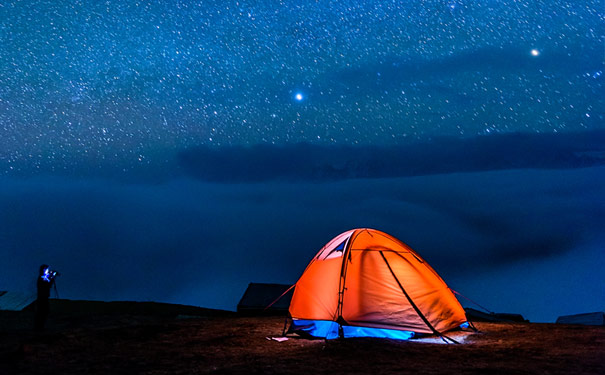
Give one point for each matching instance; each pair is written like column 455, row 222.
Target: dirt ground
column 229, row 344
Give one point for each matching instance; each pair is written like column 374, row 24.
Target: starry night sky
column 116, row 115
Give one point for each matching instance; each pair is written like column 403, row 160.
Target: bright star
column 298, row 96
column 535, row 52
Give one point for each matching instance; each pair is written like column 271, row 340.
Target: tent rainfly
column 588, row 319
column 265, row 299
column 366, row 283
column 15, row 301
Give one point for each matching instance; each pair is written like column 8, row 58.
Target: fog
column 526, row 241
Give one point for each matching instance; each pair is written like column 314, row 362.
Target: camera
column 49, row 274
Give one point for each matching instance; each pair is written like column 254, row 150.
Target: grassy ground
column 157, row 342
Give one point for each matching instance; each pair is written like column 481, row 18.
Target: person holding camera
column 46, row 280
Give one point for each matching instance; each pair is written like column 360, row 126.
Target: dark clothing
column 42, row 311
column 42, row 303
column 44, row 288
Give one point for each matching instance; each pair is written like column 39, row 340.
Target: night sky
column 176, row 151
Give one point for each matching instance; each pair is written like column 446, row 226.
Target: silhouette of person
column 46, row 279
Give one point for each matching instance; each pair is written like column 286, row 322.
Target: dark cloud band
column 306, row 162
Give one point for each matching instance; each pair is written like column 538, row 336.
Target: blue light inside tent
column 464, row 325
column 329, row 330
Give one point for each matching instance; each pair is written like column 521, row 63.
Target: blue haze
column 156, row 150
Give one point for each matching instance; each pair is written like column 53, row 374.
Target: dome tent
column 366, row 283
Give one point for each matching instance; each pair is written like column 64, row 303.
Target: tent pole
column 341, row 286
column 420, row 314
column 285, row 325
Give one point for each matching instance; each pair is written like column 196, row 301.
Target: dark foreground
column 162, row 343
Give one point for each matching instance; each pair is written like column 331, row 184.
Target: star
column 179, row 74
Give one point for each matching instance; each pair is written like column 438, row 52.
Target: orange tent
column 365, row 282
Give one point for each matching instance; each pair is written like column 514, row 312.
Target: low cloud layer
column 317, row 163
column 201, row 243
